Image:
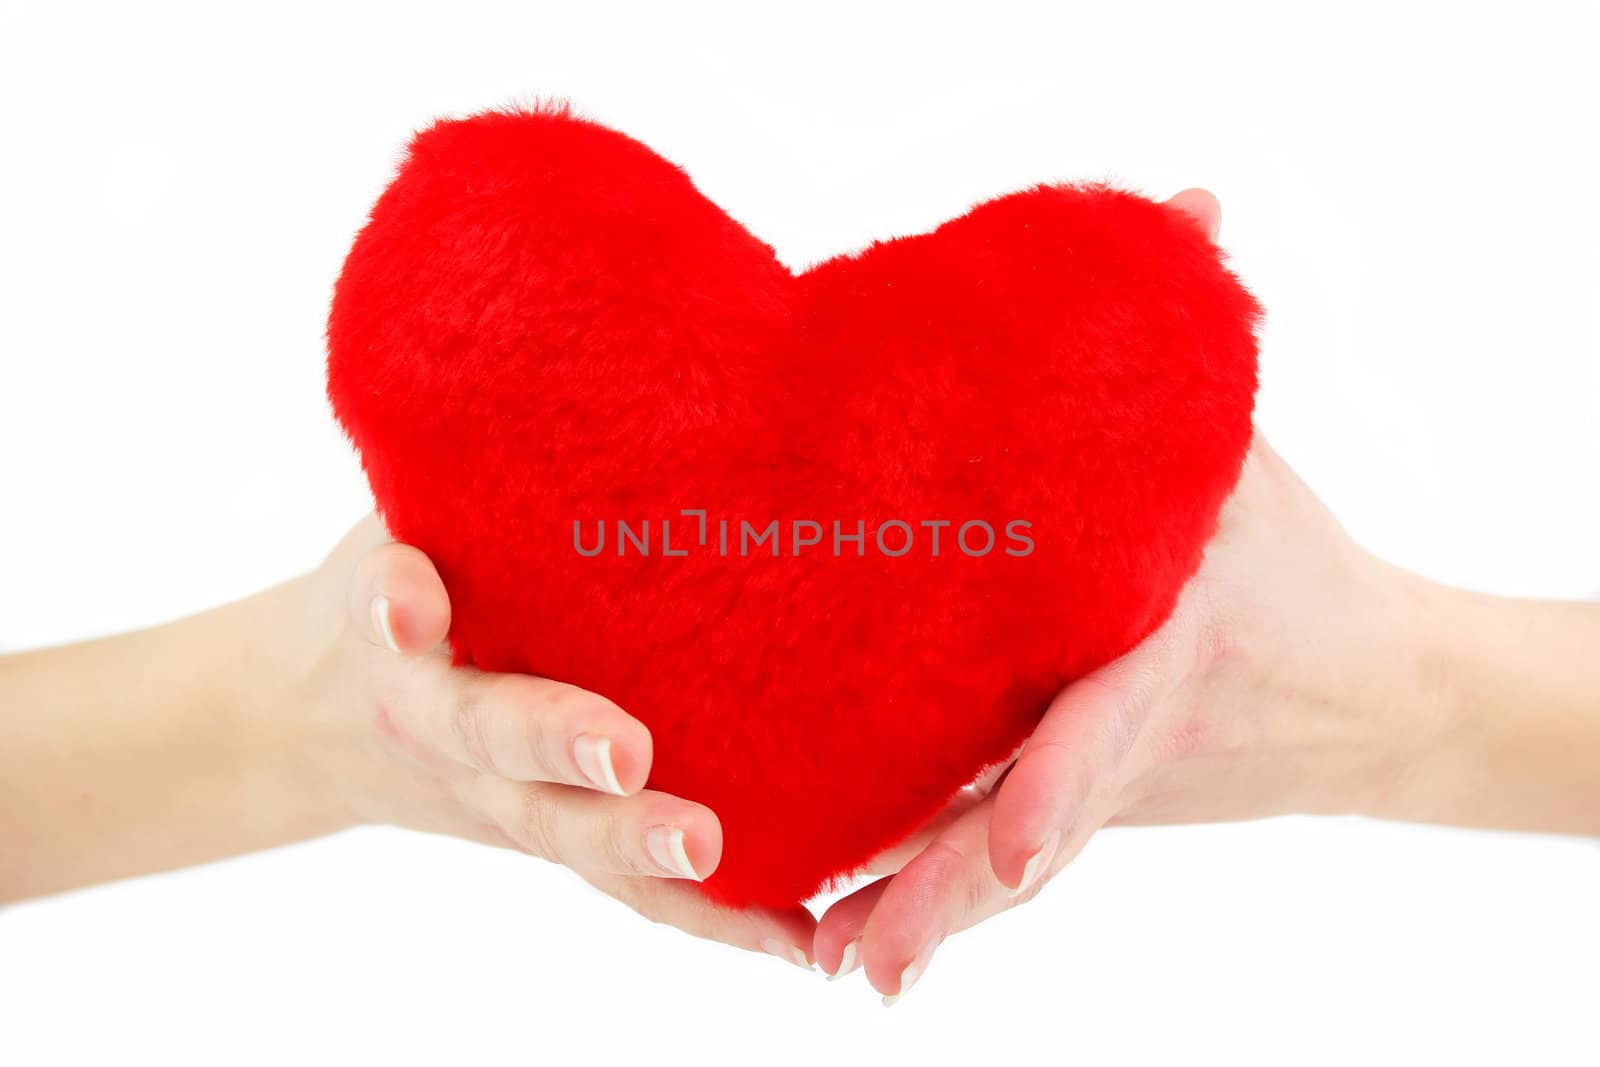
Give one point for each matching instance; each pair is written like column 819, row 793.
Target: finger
column 1202, row 206
column 837, row 944
column 398, row 601
column 784, row 934
column 522, row 728
column 649, row 834
column 1079, row 746
column 837, row 947
column 948, row 888
column 916, row 908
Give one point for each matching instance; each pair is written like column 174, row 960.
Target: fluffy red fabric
column 545, row 330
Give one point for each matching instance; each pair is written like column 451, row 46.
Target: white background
column 1410, row 190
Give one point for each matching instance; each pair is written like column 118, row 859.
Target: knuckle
column 467, row 722
column 970, row 885
column 945, row 855
column 538, row 741
column 1126, row 707
column 618, row 841
column 946, row 865
column 536, row 826
column 978, row 890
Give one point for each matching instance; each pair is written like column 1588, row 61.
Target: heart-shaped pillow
column 836, row 537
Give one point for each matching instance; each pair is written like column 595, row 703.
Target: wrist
column 1414, row 715
column 290, row 704
column 1503, row 716
column 1370, row 712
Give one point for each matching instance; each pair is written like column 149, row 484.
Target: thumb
column 397, row 600
column 1202, row 206
column 1078, row 750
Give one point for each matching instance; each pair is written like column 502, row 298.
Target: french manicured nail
column 908, row 978
column 847, row 962
column 593, row 757
column 382, row 623
column 777, row 948
column 1037, row 864
column 665, row 845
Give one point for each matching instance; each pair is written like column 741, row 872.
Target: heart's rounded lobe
column 544, row 324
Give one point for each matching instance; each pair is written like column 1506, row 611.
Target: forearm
column 151, row 750
column 1516, row 686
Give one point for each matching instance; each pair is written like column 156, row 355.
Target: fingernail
column 785, row 952
column 1037, row 864
column 847, row 962
column 908, row 978
column 593, row 757
column 382, row 623
column 665, row 845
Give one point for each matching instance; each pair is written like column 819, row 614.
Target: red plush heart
column 993, row 454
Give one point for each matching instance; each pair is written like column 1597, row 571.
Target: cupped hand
column 511, row 760
column 1289, row 678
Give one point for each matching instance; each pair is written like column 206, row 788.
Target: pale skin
column 1297, row 674
column 330, row 702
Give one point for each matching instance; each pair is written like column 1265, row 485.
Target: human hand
column 1291, row 677
column 406, row 739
